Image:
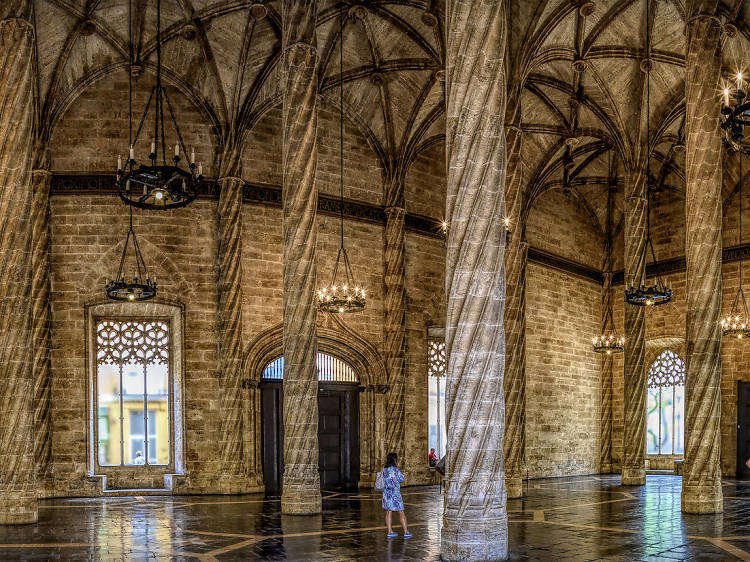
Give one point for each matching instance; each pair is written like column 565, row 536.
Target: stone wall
column 562, row 373
column 87, row 233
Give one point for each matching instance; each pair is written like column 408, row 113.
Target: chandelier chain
column 341, row 124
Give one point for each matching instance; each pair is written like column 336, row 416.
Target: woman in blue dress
column 392, row 500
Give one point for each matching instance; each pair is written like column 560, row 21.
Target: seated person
column 432, row 457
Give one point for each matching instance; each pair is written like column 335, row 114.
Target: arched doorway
column 338, row 424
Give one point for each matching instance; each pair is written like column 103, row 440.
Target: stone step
column 139, row 492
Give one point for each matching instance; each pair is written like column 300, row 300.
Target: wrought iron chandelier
column 141, row 287
column 342, row 294
column 737, row 324
column 158, row 185
column 736, row 116
column 657, row 293
column 609, row 342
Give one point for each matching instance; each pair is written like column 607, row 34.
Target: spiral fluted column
column 235, row 470
column 395, row 333
column 605, row 424
column 516, row 253
column 634, row 426
column 701, row 479
column 18, row 503
column 475, row 525
column 41, row 329
column 301, row 482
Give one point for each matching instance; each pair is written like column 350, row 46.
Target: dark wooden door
column 271, row 400
column 338, row 436
column 330, row 450
column 743, row 428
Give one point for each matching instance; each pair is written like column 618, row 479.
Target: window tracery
column 667, row 370
column 132, row 342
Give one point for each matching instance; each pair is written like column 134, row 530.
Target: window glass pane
column 432, row 397
column 679, row 420
column 157, row 377
column 132, row 405
column 108, row 415
column 443, row 433
column 652, row 421
column 667, row 422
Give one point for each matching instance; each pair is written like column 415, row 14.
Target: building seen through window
column 665, row 425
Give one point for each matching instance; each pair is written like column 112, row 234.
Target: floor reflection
column 583, row 518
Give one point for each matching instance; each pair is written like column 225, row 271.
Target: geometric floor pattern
column 583, row 518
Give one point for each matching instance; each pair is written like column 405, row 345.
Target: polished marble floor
column 584, row 518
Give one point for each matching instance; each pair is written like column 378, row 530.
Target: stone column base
column 514, row 486
column 468, row 539
column 702, row 498
column 300, row 501
column 18, row 511
column 633, row 476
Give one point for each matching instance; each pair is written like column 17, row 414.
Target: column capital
column 229, row 179
column 395, row 212
column 378, row 388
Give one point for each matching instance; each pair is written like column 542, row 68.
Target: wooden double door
column 338, row 436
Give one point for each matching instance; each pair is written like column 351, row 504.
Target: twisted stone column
column 41, row 328
column 605, row 426
column 475, row 525
column 516, row 253
column 18, row 503
column 701, row 479
column 301, row 487
column 634, row 426
column 234, row 456
column 395, row 332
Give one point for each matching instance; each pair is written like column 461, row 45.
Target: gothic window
column 436, row 392
column 133, row 392
column 665, row 426
column 330, row 369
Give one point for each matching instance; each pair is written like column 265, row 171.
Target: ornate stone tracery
column 129, row 341
column 667, row 370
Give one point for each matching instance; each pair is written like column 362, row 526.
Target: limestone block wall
column 262, row 306
column 562, row 373
column 94, row 130
column 87, row 233
column 426, row 172
column 558, row 225
column 363, row 181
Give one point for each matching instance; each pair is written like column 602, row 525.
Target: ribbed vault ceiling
column 577, row 70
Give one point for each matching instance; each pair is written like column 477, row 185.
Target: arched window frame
column 665, row 406
column 330, row 369
column 173, row 314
